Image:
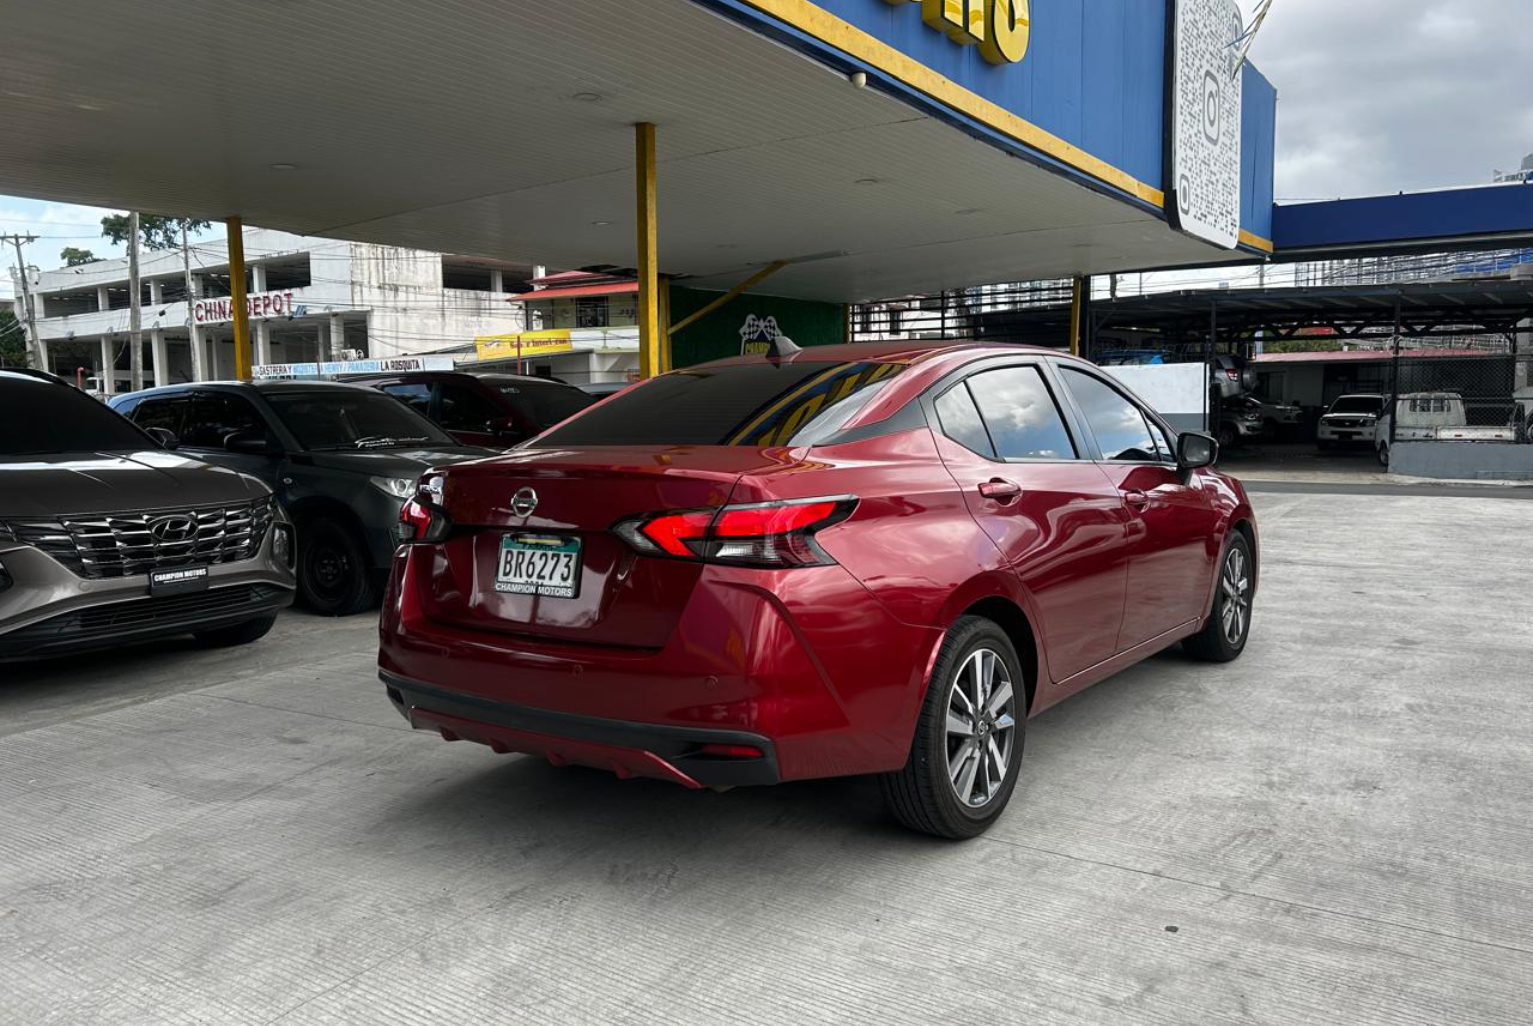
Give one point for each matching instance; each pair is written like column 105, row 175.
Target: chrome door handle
column 1000, row 490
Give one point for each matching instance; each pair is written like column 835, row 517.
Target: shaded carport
column 866, row 152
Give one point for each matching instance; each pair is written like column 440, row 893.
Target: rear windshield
column 544, row 403
column 789, row 403
column 1358, row 404
column 42, row 417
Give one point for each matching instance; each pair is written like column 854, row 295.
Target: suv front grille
column 124, row 544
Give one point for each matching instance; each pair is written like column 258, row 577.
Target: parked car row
column 869, row 559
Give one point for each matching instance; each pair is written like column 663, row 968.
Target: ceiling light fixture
column 600, row 224
column 587, row 97
column 284, row 167
column 868, row 181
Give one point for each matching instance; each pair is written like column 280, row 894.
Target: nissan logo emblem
column 524, row 502
column 173, row 530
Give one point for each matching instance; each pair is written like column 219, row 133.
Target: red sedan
column 847, row 559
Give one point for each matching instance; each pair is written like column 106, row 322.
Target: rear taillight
column 1232, row 374
column 766, row 534
column 421, row 522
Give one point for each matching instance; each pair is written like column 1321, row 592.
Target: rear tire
column 238, row 634
column 1223, row 637
column 948, row 786
column 1382, row 451
column 334, row 577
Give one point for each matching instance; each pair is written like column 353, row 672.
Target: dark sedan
column 341, row 459
column 490, row 409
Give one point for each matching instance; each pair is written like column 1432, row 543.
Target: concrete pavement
column 1336, row 828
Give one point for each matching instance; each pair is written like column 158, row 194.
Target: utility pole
column 194, row 337
column 135, row 314
column 28, row 315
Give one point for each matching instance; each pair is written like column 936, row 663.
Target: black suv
column 106, row 538
column 341, row 459
column 483, row 409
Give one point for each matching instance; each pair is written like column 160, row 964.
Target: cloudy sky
column 1374, row 96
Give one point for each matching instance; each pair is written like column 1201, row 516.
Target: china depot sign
column 262, row 304
column 999, row 28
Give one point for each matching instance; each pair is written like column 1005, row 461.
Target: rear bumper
column 628, row 749
column 804, row 665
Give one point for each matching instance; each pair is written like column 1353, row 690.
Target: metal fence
column 1451, row 395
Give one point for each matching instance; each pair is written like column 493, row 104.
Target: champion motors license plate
column 533, row 564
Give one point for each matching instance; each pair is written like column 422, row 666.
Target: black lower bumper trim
column 679, row 746
column 143, row 619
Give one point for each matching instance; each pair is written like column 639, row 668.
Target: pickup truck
column 1434, row 416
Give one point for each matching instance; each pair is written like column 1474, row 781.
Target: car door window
column 1121, row 430
column 417, row 396
column 1163, row 442
column 210, row 419
column 961, row 422
column 1023, row 420
column 464, row 409
column 160, row 413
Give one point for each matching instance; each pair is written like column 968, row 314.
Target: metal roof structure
column 1233, row 318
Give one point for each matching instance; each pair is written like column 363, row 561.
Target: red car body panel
column 821, row 668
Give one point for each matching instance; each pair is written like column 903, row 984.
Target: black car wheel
column 1223, row 637
column 334, row 578
column 964, row 761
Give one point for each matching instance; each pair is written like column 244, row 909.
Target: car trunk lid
column 622, row 599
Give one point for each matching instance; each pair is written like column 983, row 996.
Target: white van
column 123, row 382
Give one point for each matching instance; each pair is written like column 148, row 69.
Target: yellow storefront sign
column 524, row 344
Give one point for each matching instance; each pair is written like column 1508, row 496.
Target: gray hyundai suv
column 107, row 538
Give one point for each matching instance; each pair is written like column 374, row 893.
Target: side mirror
column 249, row 443
column 164, row 436
column 1194, row 450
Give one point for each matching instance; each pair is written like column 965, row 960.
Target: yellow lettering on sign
column 1000, row 28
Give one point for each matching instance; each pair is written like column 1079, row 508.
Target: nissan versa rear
column 867, row 559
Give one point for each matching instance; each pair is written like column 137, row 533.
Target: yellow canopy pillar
column 236, row 237
column 651, row 362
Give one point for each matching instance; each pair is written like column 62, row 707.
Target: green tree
column 13, row 341
column 157, row 232
column 73, row 257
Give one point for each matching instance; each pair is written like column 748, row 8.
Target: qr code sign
column 1205, row 156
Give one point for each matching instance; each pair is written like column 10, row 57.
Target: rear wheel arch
column 1246, row 529
column 1012, row 619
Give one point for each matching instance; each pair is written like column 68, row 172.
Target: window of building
column 1024, row 421
column 591, row 312
column 462, row 274
column 289, row 272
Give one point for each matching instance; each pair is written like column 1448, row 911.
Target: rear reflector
column 732, row 751
column 764, row 534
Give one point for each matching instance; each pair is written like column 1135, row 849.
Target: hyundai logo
column 173, row 530
column 524, row 502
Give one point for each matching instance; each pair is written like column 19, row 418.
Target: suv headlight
column 399, row 487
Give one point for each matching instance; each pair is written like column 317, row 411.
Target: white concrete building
column 309, row 299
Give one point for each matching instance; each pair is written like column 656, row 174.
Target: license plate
column 179, row 579
column 532, row 564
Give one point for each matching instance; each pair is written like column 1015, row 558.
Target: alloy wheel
column 1235, row 582
column 981, row 727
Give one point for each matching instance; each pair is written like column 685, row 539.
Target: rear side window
column 212, row 418
column 767, row 403
column 464, row 409
column 159, row 413
column 414, row 395
column 1120, row 428
column 960, row 420
column 1024, row 421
